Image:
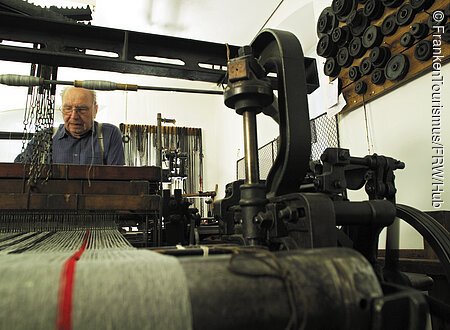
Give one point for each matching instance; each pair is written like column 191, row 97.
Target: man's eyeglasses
column 79, row 110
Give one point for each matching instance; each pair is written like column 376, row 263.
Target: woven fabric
column 115, row 287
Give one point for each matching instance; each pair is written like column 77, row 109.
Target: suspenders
column 99, row 138
column 100, row 142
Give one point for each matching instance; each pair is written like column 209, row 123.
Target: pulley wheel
column 366, row 66
column 424, row 50
column 419, row 5
column 389, row 25
column 372, row 37
column 373, row 9
column 378, row 77
column 344, row 58
column 331, row 68
column 392, row 3
column 380, row 56
column 447, row 11
column 357, row 22
column 432, row 22
column 342, row 8
column 360, row 88
column 446, row 34
column 397, row 67
column 356, row 48
column 419, row 30
column 326, row 47
column 405, row 15
column 327, row 22
column 407, row 40
column 354, row 74
column 341, row 36
column 431, row 230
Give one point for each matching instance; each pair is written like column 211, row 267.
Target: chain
column 40, row 114
column 48, row 128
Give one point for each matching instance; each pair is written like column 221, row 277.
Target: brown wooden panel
column 417, row 68
column 13, row 186
column 10, row 170
column 13, row 201
column 119, row 202
column 116, row 187
column 94, row 172
column 76, row 187
column 26, row 201
column 102, row 172
column 57, row 187
column 54, row 201
column 21, row 201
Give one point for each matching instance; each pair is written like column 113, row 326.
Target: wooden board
column 78, row 187
column 417, row 68
column 69, row 202
column 87, row 172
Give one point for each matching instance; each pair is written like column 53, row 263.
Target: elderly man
column 81, row 140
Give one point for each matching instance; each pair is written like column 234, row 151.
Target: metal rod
column 158, row 141
column 159, row 164
column 15, row 135
column 180, row 90
column 27, row 81
column 392, row 245
column 250, row 148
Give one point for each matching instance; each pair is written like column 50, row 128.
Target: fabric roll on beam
column 115, row 286
column 93, row 279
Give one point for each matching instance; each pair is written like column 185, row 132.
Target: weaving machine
column 80, row 196
column 64, row 264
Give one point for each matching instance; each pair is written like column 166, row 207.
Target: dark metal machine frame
column 63, row 44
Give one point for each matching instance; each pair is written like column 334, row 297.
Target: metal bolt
column 289, row 214
column 368, row 176
column 317, row 183
column 257, row 219
column 343, row 155
column 245, row 50
column 337, row 184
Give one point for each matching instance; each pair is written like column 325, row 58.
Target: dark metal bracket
column 64, row 44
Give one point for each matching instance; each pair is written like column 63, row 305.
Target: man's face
column 78, row 111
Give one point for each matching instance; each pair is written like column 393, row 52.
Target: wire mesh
column 324, row 134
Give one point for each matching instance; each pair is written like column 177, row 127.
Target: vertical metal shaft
column 158, row 140
column 392, row 245
column 159, row 164
column 253, row 196
column 250, row 148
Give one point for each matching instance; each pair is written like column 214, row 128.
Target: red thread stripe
column 64, row 321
